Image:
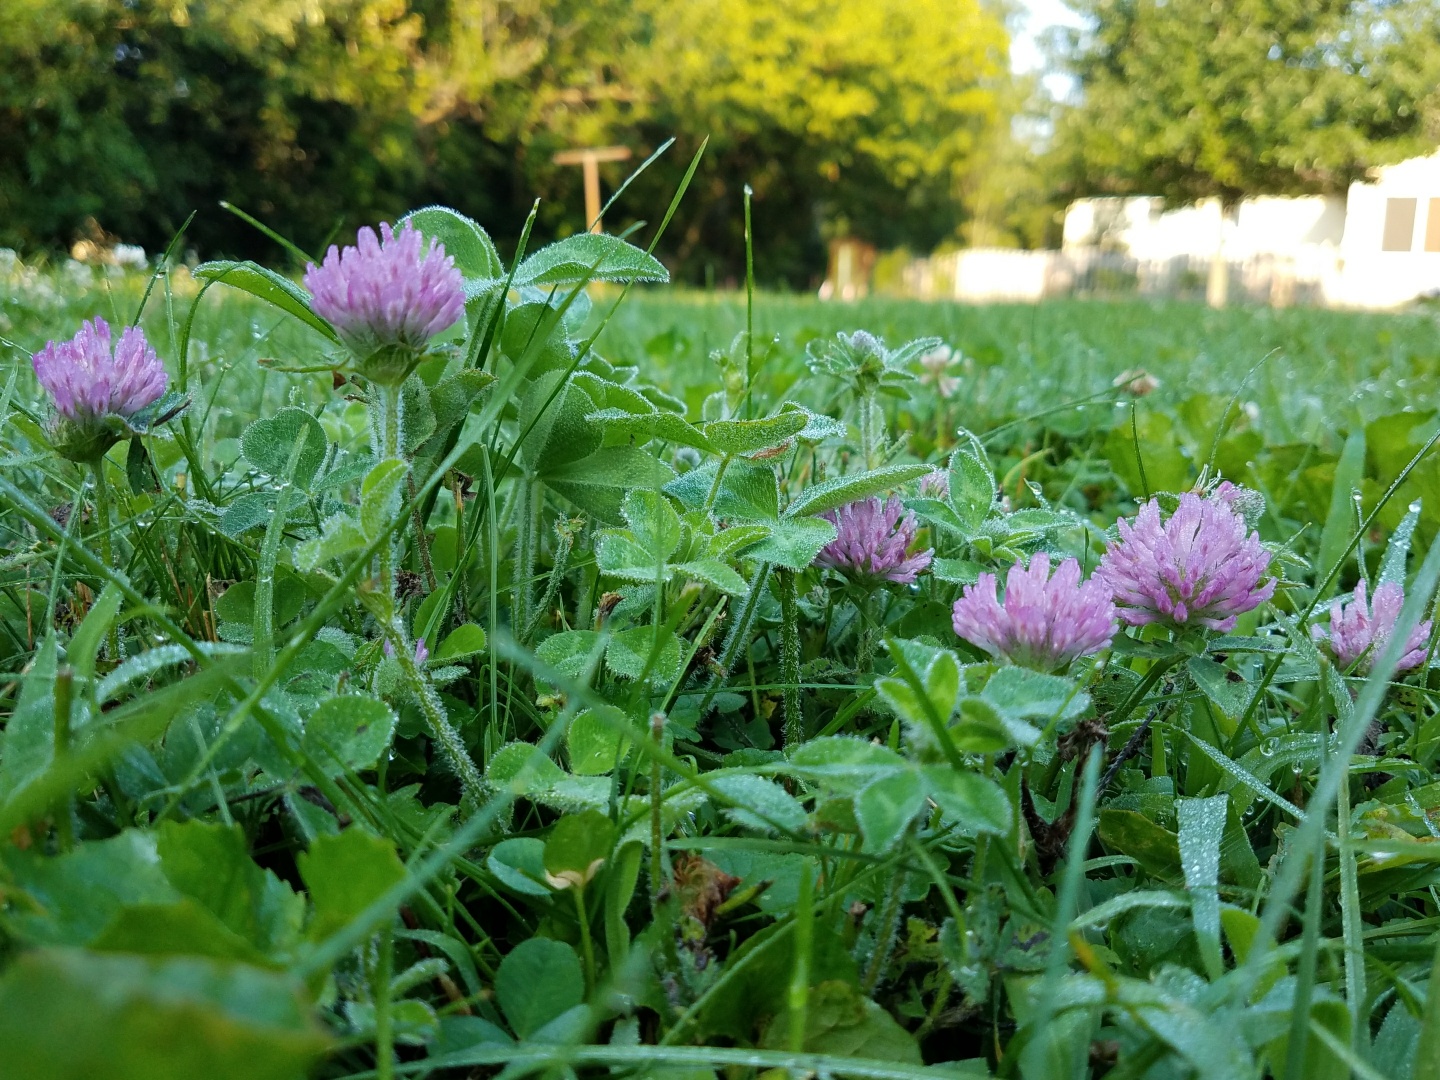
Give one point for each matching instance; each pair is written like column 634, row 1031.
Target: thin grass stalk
column 104, row 523
column 790, row 659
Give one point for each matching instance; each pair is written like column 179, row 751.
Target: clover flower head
column 387, row 297
column 935, row 484
column 1361, row 628
column 1199, row 568
column 93, row 380
column 91, row 376
column 873, row 542
column 936, row 363
column 1045, row 621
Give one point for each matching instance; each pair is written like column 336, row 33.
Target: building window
column 1432, row 227
column 1399, row 224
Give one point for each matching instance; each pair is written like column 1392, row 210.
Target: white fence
column 985, row 275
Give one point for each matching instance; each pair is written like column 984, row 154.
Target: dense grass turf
column 662, row 796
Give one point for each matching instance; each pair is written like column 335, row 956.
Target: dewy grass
column 481, row 592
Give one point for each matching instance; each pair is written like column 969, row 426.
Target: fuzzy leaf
column 589, row 257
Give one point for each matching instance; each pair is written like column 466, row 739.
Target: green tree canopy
column 1192, row 99
column 861, row 116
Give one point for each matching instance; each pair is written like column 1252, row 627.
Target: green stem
column 384, row 1026
column 657, row 833
column 263, row 612
column 387, row 447
column 531, row 502
column 885, row 929
column 422, row 544
column 560, row 565
column 64, row 691
column 445, row 735
column 798, row 997
column 790, row 659
column 103, row 526
column 714, row 491
column 739, row 636
column 587, row 946
column 867, row 429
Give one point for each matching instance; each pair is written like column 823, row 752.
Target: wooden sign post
column 589, row 158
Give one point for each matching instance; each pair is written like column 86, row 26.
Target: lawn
column 638, row 710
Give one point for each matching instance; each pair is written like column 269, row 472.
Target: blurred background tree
column 857, row 117
column 1193, row 99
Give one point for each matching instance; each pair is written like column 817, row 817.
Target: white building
column 1376, row 247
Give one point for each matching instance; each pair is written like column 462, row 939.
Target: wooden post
column 589, row 158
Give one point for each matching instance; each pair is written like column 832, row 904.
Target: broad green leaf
column 973, row 802
column 1022, row 694
column 577, row 846
column 29, row 742
column 465, row 241
column 598, row 483
column 715, row 573
column 653, row 521
column 589, row 257
column 344, row 873
column 248, row 511
column 179, row 928
column 840, row 1020
column 570, row 652
column 519, row 863
column 1231, row 698
column 841, row 490
column 380, row 496
column 939, row 673
column 619, row 555
column 537, row 981
column 793, row 543
column 842, row 761
column 748, row 492
column 624, row 428
column 268, row 442
column 237, row 603
column 594, row 746
column 982, row 729
column 972, row 483
column 886, row 806
column 524, row 768
column 629, row 653
column 556, row 415
column 349, row 731
column 463, row 642
column 755, row 802
column 534, row 338
column 735, row 539
column 268, row 286
column 1152, row 846
column 66, row 1014
column 340, row 536
column 1202, row 828
column 751, row 436
column 211, row 865
column 71, row 897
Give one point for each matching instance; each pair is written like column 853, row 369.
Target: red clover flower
column 94, row 381
column 1045, row 622
column 1360, row 629
column 387, row 297
column 872, row 542
column 1199, row 568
